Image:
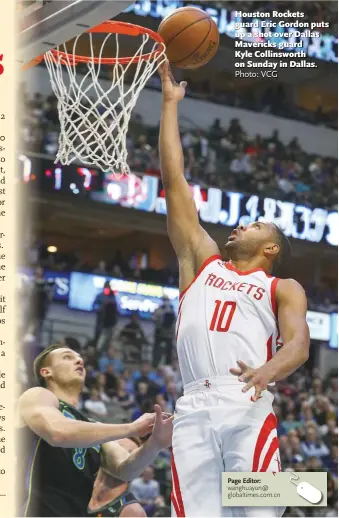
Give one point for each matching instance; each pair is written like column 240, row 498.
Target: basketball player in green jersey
column 111, row 496
column 61, row 450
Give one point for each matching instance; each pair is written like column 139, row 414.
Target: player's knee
column 133, row 510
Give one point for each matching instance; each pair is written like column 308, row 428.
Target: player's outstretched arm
column 190, row 241
column 39, row 410
column 118, row 463
column 292, row 307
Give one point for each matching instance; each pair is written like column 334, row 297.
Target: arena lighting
column 52, row 249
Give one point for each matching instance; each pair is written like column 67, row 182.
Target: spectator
column 332, row 391
column 145, row 373
column 95, row 405
column 133, row 336
column 161, row 401
column 290, row 423
column 40, row 296
column 116, row 271
column 175, row 371
column 146, row 377
column 129, row 384
column 295, row 447
column 106, row 384
column 101, row 268
column 238, row 163
column 314, row 464
column 216, row 132
column 331, row 462
column 330, row 433
column 147, row 407
column 286, row 185
column 142, row 393
column 332, row 492
column 146, row 490
column 317, row 390
column 321, row 410
column 118, row 260
column 171, row 395
column 101, row 385
column 107, row 315
column 316, row 170
column 165, row 319
column 306, row 414
column 110, row 358
column 312, row 446
column 124, row 399
column 111, row 381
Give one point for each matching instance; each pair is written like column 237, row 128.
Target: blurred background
column 98, row 272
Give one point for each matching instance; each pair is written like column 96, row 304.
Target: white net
column 94, row 114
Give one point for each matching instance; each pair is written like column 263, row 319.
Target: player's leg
column 196, row 464
column 251, row 445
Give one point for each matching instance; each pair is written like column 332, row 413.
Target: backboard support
column 46, row 24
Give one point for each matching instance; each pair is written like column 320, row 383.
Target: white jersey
column 226, row 315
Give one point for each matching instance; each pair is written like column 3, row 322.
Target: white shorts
column 219, row 428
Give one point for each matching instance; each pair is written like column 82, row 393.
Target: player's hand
column 163, row 428
column 171, row 91
column 257, row 378
column 143, row 426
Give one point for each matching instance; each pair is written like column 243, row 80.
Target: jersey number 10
column 222, row 316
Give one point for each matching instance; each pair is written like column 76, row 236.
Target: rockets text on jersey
column 226, row 315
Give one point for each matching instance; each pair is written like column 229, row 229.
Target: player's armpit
column 292, row 307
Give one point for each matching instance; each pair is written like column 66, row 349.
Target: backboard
column 44, row 24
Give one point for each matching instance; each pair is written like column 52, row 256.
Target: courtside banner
column 286, row 489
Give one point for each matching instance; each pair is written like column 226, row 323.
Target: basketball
column 191, row 37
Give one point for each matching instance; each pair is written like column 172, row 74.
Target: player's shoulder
column 32, row 399
column 289, row 288
column 38, row 395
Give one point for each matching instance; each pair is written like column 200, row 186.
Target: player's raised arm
column 38, row 409
column 190, row 241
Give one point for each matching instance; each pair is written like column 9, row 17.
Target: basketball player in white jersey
column 231, row 317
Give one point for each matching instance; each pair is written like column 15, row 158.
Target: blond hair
column 40, row 362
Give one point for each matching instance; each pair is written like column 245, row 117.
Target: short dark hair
column 285, row 251
column 40, row 361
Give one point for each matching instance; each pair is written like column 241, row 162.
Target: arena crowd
column 218, row 156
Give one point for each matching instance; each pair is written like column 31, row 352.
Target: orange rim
column 114, row 28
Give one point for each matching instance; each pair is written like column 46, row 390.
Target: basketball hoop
column 94, row 116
